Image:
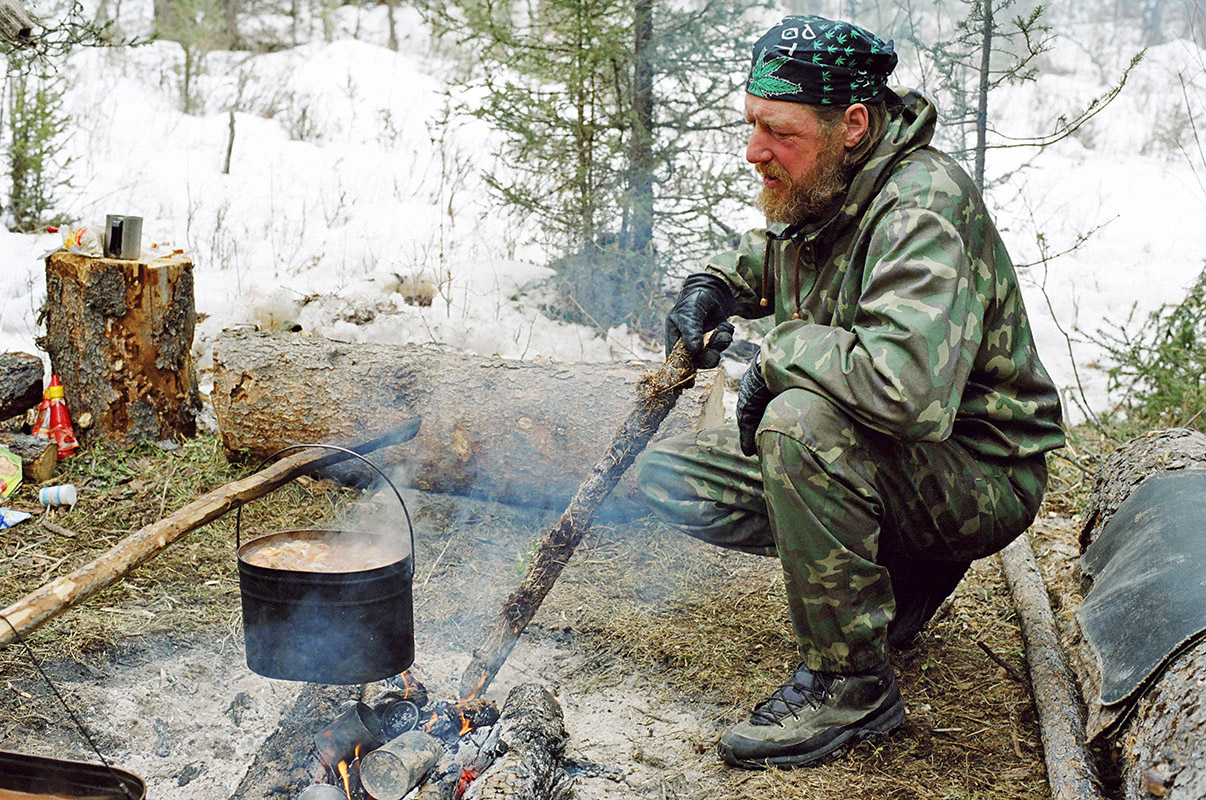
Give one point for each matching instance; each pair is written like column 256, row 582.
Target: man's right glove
column 704, row 302
column 753, row 396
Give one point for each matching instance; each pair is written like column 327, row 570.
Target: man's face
column 799, row 159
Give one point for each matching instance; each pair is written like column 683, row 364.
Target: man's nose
column 757, row 151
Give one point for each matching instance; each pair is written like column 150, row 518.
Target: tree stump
column 120, row 335
column 1159, row 739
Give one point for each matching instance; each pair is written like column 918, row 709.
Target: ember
column 467, row 777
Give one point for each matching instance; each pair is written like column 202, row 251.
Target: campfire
column 384, row 750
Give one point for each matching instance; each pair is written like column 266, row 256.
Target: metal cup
column 123, row 237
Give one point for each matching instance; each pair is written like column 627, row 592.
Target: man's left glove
column 753, row 396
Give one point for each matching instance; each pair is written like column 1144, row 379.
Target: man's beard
column 808, row 199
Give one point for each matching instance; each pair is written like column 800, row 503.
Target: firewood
column 39, row 457
column 1070, row 771
column 656, row 394
column 1162, row 742
column 517, row 432
column 62, row 593
column 532, row 740
column 120, row 336
column 20, row 383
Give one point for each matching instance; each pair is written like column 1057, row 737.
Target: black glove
column 704, row 302
column 753, row 396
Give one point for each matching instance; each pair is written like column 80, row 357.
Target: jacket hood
column 910, row 128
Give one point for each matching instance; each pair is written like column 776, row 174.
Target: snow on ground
column 345, row 193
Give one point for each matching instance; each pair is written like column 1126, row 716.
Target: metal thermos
column 123, row 237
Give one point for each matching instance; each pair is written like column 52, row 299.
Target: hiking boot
column 815, row 715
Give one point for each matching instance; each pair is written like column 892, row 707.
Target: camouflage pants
column 835, row 500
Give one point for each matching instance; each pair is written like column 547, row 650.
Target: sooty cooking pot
column 327, row 627
column 37, row 776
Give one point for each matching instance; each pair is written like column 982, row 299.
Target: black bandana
column 819, row 61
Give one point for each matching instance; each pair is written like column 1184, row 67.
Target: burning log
column 62, row 593
column 657, row 393
column 518, row 432
column 532, row 740
column 1158, row 732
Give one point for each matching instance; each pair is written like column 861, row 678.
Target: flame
column 343, row 773
column 410, row 685
column 467, row 777
column 466, row 725
column 431, row 722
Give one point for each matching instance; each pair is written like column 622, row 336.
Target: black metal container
column 327, row 627
column 37, row 775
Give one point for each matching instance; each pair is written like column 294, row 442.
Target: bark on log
column 120, row 336
column 1161, row 747
column 139, row 547
column 39, row 457
column 16, row 25
column 286, row 763
column 1070, row 772
column 20, row 383
column 517, row 432
column 656, row 395
column 532, row 738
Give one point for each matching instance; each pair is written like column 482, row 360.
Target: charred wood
column 531, row 743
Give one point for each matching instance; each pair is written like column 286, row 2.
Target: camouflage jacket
column 909, row 311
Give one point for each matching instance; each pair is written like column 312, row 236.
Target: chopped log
column 532, row 740
column 287, row 762
column 517, row 432
column 39, row 457
column 139, row 547
column 16, row 25
column 1160, row 746
column 1070, row 771
column 20, row 383
column 656, row 394
column 120, row 336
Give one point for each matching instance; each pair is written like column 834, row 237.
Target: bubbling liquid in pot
column 321, row 552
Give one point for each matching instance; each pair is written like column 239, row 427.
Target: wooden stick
column 114, row 564
column 1070, row 770
column 657, row 393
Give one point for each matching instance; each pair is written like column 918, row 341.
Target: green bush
column 37, row 123
column 1158, row 370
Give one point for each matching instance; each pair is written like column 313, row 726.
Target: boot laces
column 811, row 688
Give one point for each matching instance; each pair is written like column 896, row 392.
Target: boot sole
column 880, row 725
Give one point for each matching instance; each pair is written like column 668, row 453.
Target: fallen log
column 518, row 432
column 1070, row 771
column 39, row 457
column 1157, row 737
column 656, row 394
column 20, row 383
column 111, row 566
column 532, row 741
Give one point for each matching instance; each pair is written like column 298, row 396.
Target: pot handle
column 384, row 477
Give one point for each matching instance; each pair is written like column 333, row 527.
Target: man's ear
column 857, row 121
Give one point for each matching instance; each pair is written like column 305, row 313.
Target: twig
column 1000, row 662
column 59, row 529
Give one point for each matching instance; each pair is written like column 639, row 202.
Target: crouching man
column 893, row 426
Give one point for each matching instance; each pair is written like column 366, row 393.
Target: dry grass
column 707, row 625
column 191, row 586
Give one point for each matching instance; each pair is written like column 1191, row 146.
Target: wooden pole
column 657, row 392
column 1070, row 770
column 139, row 547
